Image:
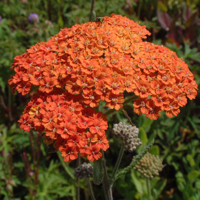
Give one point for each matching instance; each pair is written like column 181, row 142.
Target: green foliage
column 16, row 172
column 53, row 184
column 157, row 186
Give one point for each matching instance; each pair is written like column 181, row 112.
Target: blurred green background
column 31, row 170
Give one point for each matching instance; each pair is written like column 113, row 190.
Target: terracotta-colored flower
column 65, row 120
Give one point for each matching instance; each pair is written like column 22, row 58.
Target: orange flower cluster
column 163, row 81
column 100, row 61
column 63, row 119
column 92, row 59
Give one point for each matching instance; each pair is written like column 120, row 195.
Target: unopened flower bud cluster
column 128, row 134
column 149, row 166
column 85, row 170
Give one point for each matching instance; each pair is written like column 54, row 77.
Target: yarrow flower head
column 128, row 135
column 69, row 124
column 93, row 62
column 149, row 166
column 33, row 18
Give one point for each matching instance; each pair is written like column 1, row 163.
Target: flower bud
column 128, row 134
column 85, row 170
column 149, row 166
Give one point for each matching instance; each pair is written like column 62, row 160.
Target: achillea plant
column 96, row 61
column 92, row 62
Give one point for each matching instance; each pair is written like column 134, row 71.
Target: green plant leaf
column 190, row 160
column 180, row 181
column 137, row 182
column 143, row 135
column 193, row 175
column 65, row 165
column 155, row 150
column 158, row 186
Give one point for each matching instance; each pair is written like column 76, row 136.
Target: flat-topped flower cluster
column 99, row 61
column 74, row 127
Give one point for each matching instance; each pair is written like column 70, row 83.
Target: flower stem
column 135, row 160
column 106, row 181
column 92, row 10
column 104, row 191
column 91, row 190
column 119, row 159
column 78, row 180
column 148, row 183
column 127, row 116
column 78, row 190
column 10, row 105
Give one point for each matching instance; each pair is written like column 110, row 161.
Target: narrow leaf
column 164, row 20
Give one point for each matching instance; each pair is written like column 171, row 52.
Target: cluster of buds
column 85, row 170
column 149, row 166
column 128, row 134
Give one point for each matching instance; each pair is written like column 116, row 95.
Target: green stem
column 148, row 182
column 104, row 191
column 78, row 190
column 78, row 180
column 10, row 105
column 119, row 159
column 92, row 10
column 106, row 182
column 134, row 161
column 139, row 8
column 106, row 5
column 91, row 190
